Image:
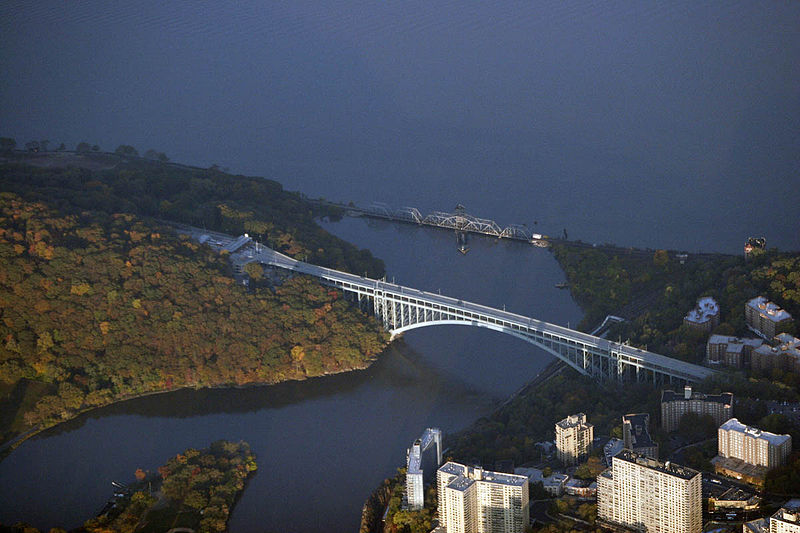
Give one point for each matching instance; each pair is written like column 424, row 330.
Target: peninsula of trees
column 196, row 489
column 99, row 301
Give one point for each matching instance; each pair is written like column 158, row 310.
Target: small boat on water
column 562, row 285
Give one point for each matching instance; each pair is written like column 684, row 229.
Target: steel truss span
column 459, row 221
column 402, row 309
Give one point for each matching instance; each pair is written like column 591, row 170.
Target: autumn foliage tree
column 102, row 307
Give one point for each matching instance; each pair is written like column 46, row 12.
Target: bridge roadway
column 404, row 308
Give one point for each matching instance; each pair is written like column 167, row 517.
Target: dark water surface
column 661, row 124
column 324, row 444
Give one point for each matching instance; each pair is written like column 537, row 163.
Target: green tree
column 254, row 270
column 196, row 499
column 590, row 469
column 126, row 150
column 140, row 501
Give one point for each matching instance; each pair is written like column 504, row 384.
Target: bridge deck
column 466, row 310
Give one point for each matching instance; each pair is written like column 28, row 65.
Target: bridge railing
column 399, row 294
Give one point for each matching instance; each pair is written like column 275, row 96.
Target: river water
column 324, row 444
column 673, row 124
column 661, row 124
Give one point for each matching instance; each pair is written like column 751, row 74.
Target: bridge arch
column 402, row 309
column 494, row 327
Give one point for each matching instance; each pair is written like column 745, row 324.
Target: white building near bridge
column 424, row 457
column 474, row 500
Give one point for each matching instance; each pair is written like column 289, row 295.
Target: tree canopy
column 200, row 197
column 100, row 307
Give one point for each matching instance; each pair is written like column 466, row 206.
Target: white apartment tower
column 753, row 446
column 422, row 459
column 473, row 500
column 574, row 439
column 641, row 493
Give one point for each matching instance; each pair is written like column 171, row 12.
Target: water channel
column 324, row 444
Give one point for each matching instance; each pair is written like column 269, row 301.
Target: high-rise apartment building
column 747, row 453
column 640, row 493
column 753, row 446
column 422, row 459
column 705, row 316
column 473, row 500
column 675, row 405
column 786, row 519
column 574, row 439
column 731, row 351
column 765, row 318
column 784, row 354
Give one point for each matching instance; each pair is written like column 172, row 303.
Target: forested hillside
column 196, row 489
column 201, row 197
column 95, row 307
column 655, row 293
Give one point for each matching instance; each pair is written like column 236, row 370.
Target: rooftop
column 706, row 308
column 725, row 339
column 461, row 483
column 768, row 309
column 672, row 469
column 785, row 338
column 580, row 483
column 555, row 479
column 639, row 433
column 734, row 425
column 739, row 466
column 756, row 526
column 789, row 512
column 612, row 448
column 791, row 349
column 672, row 396
column 573, row 421
column 414, row 462
column 429, row 435
column 479, row 474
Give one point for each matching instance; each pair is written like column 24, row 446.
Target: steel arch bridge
column 402, row 309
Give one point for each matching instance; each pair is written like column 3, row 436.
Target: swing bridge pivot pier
column 402, row 309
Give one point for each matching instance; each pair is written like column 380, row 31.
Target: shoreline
column 376, row 503
column 8, row 447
